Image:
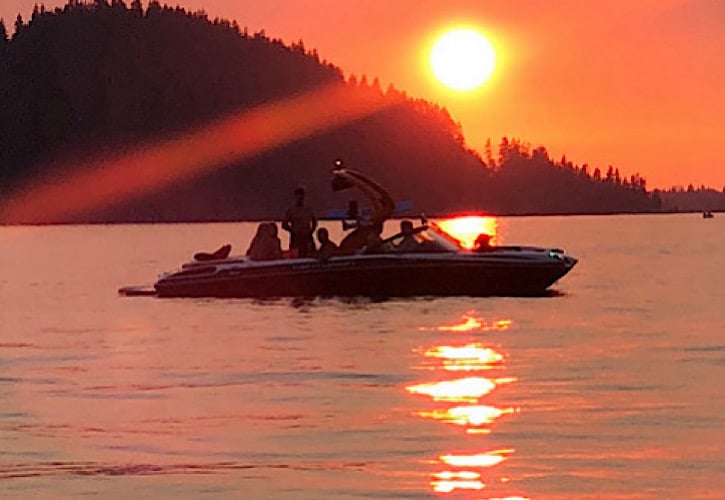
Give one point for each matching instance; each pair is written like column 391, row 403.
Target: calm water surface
column 614, row 389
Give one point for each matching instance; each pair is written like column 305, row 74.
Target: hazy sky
column 638, row 84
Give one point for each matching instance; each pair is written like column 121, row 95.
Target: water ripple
column 24, row 470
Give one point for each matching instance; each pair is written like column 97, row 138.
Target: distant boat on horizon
column 707, row 214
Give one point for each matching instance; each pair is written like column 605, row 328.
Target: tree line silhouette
column 100, row 77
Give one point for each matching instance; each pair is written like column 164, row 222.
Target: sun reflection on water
column 460, row 390
column 462, row 401
column 488, row 459
column 447, row 481
column 471, row 357
column 474, row 415
column 470, row 323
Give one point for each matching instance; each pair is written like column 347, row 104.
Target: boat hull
column 371, row 276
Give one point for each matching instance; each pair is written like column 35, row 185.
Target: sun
column 462, row 59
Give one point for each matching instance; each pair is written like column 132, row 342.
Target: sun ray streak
column 145, row 169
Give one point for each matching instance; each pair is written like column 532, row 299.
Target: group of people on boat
column 301, row 223
column 365, row 226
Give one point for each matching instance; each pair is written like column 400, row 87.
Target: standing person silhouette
column 300, row 222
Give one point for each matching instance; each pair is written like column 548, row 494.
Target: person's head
column 299, row 195
column 406, row 227
column 323, row 236
column 483, row 240
column 272, row 229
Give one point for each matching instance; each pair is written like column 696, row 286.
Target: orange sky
column 638, row 84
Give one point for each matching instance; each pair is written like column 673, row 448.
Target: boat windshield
column 430, row 238
column 445, row 239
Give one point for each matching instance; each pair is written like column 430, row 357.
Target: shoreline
column 325, row 219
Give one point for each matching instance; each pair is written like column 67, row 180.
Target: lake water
column 612, row 389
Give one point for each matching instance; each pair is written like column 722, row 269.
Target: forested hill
column 92, row 79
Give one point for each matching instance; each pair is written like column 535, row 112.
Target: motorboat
column 441, row 267
column 707, row 214
column 438, row 266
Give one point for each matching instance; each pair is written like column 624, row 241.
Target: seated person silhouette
column 373, row 242
column 408, row 243
column 483, row 243
column 361, row 226
column 327, row 247
column 265, row 245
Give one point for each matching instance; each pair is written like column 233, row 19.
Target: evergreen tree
column 18, row 25
column 3, row 34
column 136, row 7
column 488, row 154
column 503, row 150
column 153, row 9
column 376, row 86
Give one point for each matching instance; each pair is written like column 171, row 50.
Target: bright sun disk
column 462, row 59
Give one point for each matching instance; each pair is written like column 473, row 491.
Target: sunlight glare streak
column 107, row 181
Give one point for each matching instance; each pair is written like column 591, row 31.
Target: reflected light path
column 447, row 481
column 471, row 323
column 470, row 357
column 102, row 182
column 459, row 471
column 461, row 390
column 476, row 415
column 480, row 460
